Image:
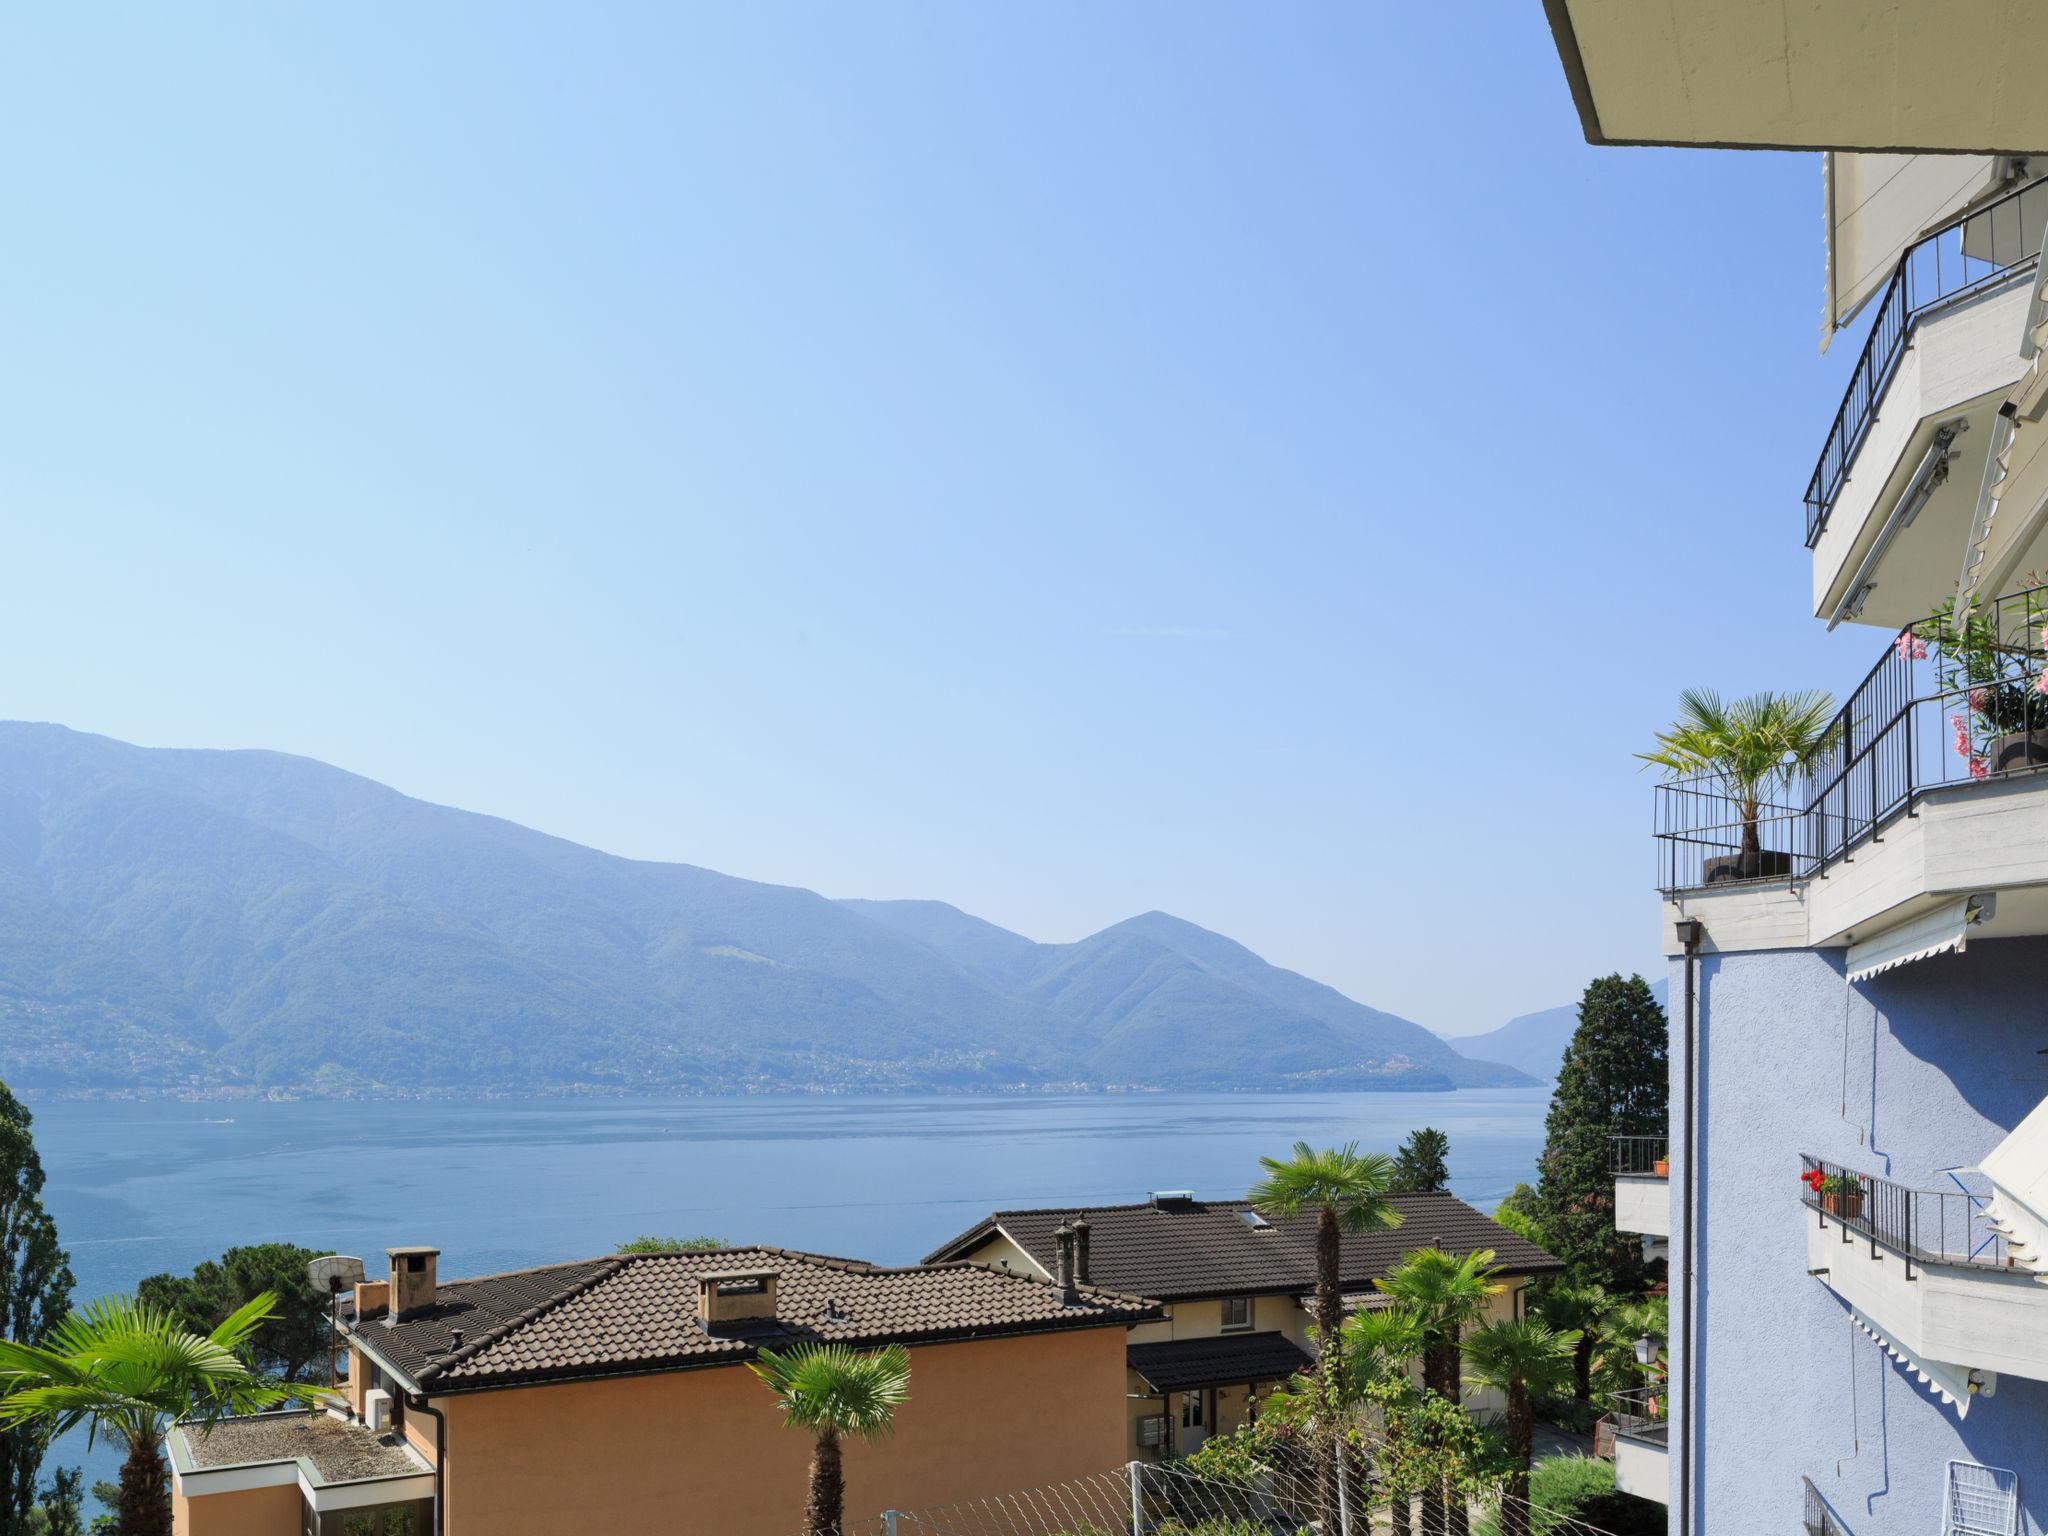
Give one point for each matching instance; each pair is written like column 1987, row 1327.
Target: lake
column 138, row 1188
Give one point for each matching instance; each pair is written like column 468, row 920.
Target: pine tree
column 1614, row 1082
column 1419, row 1166
column 35, row 1293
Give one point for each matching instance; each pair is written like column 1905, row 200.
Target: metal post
column 888, row 1522
column 1343, row 1490
column 1137, row 1498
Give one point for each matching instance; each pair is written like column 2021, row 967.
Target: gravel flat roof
column 340, row 1451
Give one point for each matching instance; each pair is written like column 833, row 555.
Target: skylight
column 1255, row 1221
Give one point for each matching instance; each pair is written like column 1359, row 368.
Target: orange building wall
column 707, row 1449
column 252, row 1512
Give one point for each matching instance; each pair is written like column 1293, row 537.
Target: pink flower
column 1962, row 735
column 1912, row 648
column 2041, row 683
column 1978, row 698
column 1979, row 768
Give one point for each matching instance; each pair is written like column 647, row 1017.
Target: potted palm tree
column 1347, row 1190
column 128, row 1370
column 1522, row 1359
column 1752, row 746
column 834, row 1391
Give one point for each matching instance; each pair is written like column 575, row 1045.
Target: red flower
column 1813, row 1178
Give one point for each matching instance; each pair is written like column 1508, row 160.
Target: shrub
column 1564, row 1489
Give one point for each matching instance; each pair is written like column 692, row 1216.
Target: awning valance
column 1951, row 1383
column 1227, row 1360
column 1946, row 927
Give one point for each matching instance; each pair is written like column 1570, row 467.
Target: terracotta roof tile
column 1180, row 1249
column 631, row 1313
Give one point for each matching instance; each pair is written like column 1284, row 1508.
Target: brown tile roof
column 1180, row 1249
column 638, row 1312
column 1223, row 1361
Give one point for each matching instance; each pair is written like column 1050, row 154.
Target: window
column 1237, row 1312
column 1191, row 1410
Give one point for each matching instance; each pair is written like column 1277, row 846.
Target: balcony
column 1642, row 1453
column 1818, row 1518
column 1928, row 1275
column 1892, row 497
column 1642, row 1189
column 1928, row 808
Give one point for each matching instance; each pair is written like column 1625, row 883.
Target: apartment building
column 613, row 1394
column 1237, row 1291
column 1857, row 1206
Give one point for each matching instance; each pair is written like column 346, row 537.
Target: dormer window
column 1237, row 1313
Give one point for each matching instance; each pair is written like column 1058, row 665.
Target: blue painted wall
column 1940, row 1062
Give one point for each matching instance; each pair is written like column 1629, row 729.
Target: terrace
column 1642, row 1188
column 1642, row 1436
column 1925, row 803
column 303, row 1470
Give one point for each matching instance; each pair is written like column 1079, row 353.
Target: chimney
column 412, row 1281
column 1063, row 1235
column 373, row 1298
column 735, row 1296
column 1081, row 1230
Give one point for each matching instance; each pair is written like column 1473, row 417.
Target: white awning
column 2018, row 1210
column 1951, row 1383
column 1877, row 205
column 2014, row 498
column 1931, row 933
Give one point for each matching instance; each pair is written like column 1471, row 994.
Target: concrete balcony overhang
column 1892, row 548
column 337, row 1465
column 1642, row 1204
column 1642, row 1464
column 1958, row 1326
column 1935, row 75
column 1988, row 839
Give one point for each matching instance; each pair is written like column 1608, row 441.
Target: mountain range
column 1535, row 1042
column 224, row 922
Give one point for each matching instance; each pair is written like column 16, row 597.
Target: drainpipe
column 1690, row 932
column 420, row 1404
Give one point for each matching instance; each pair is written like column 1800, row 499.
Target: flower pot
column 2020, row 749
column 1848, row 1207
column 1762, row 865
column 1661, row 1168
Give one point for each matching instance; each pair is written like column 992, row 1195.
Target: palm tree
column 1628, row 1320
column 1446, row 1293
column 1380, row 1346
column 833, row 1390
column 1347, row 1190
column 1578, row 1309
column 129, row 1370
column 1752, row 746
column 1522, row 1358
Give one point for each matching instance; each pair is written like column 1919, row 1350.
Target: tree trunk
column 1514, row 1506
column 145, row 1507
column 1582, row 1366
column 1329, row 1334
column 1435, row 1516
column 1458, row 1523
column 826, row 1507
column 1400, row 1513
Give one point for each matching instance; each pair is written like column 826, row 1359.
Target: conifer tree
column 35, row 1293
column 1419, row 1167
column 1614, row 1082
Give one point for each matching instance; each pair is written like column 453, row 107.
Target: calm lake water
column 141, row 1188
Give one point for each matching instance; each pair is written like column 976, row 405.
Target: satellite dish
column 336, row 1272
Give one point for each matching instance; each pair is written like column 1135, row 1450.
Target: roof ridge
column 606, row 1268
column 1107, row 1295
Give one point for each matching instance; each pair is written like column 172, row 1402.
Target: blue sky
column 1065, row 460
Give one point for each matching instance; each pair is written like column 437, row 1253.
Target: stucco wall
column 1940, row 1063
column 706, row 1450
column 252, row 1512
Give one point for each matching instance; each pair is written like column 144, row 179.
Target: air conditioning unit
column 377, row 1408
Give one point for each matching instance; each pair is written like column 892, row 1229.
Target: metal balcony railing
column 1955, row 263
column 1922, row 1226
column 1640, row 1413
column 1818, row 1519
column 1944, row 705
column 1639, row 1154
